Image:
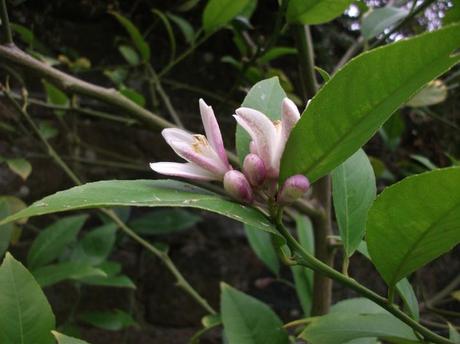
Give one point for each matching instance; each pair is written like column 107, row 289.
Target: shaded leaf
column 21, row 167
column 164, row 221
column 96, row 245
column 129, row 54
column 262, row 245
column 63, row 339
column 218, row 13
column 55, row 96
column 434, row 92
column 135, row 35
column 377, row 20
column 108, row 320
column 313, row 12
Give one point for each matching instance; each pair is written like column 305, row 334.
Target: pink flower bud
column 237, row 186
column 293, row 188
column 254, row 169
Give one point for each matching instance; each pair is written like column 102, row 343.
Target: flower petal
column 262, row 131
column 290, row 115
column 175, row 134
column 212, row 130
column 186, row 170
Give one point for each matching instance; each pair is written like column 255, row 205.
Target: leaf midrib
column 18, row 302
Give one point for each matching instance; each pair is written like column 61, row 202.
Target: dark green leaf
column 312, row 12
column 413, row 222
column 275, row 53
column 163, row 221
column 261, row 244
column 145, row 193
column 26, row 315
column 453, row 13
column 96, row 246
column 53, row 240
column 8, row 205
column 112, row 278
column 350, row 108
column 392, row 130
column 129, row 54
column 107, row 320
column 133, row 95
column 218, row 13
column 55, row 96
column 185, row 27
column 249, row 321
column 353, row 192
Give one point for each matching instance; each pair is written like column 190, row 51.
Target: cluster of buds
column 207, row 159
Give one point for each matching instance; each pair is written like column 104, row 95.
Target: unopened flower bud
column 254, row 169
column 237, row 186
column 293, row 188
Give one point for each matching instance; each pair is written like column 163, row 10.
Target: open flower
column 206, row 155
column 268, row 137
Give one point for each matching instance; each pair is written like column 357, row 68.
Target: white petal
column 289, row 117
column 262, row 131
column 186, row 170
column 175, row 134
column 212, row 130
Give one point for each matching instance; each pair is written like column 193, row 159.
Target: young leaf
column 218, row 13
column 135, row 35
column 107, row 320
column 261, row 244
column 73, row 270
column 143, row 193
column 354, row 319
column 164, row 221
column 26, row 315
column 413, row 222
column 21, row 167
column 313, row 12
column 63, row 339
column 348, row 110
column 303, row 277
column 377, row 20
column 249, row 321
column 52, row 241
column 353, row 191
column 265, row 96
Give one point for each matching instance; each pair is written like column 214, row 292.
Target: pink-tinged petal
column 293, row 188
column 252, row 147
column 175, row 134
column 237, row 186
column 186, row 170
column 262, row 131
column 290, row 115
column 212, row 130
column 201, row 154
column 254, row 169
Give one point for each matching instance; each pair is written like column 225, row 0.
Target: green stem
column 8, row 37
column 305, row 259
column 181, row 281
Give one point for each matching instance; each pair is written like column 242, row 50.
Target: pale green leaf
column 21, row 167
column 350, row 108
column 433, row 93
column 63, row 339
column 377, row 20
column 454, row 335
column 26, row 315
column 413, row 222
column 129, row 54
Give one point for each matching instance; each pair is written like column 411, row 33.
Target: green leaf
column 164, row 221
column 47, row 129
column 249, row 321
column 96, row 246
column 21, row 167
column 129, row 54
column 8, row 205
column 108, row 320
column 303, row 277
column 433, row 93
column 136, row 37
column 275, row 53
column 133, row 95
column 73, row 270
column 349, row 109
column 392, row 130
column 453, row 334
column 26, row 315
column 357, row 318
column 262, row 245
column 184, row 26
column 218, row 13
column 313, row 12
column 145, row 193
column 63, row 339
column 453, row 13
column 112, row 278
column 265, row 96
column 413, row 222
column 377, row 20
column 52, row 241
column 324, row 75
column 409, row 298
column 353, row 191
column 55, row 96
column 29, row 38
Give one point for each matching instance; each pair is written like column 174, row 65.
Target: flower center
column 199, row 143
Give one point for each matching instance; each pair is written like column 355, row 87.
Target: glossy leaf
column 413, row 222
column 52, row 241
column 354, row 319
column 63, row 339
column 218, row 13
column 108, row 320
column 143, row 193
column 265, row 96
column 353, row 192
column 377, row 20
column 350, row 108
column 136, row 37
column 313, row 12
column 21, row 167
column 249, row 321
column 26, row 315
column 303, row 277
column 262, row 245
column 73, row 270
column 164, row 221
